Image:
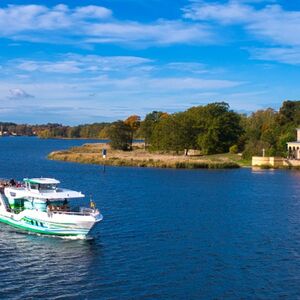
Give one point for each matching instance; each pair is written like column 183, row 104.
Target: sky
column 76, row 62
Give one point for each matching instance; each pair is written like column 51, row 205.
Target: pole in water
column 104, row 152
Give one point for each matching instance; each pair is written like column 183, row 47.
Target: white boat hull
column 52, row 223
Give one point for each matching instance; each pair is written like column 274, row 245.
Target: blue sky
column 90, row 61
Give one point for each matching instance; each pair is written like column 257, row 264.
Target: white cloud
column 229, row 13
column 74, row 63
column 189, row 83
column 93, row 24
column 283, row 55
column 161, row 32
column 104, row 83
column 17, row 93
column 271, row 23
column 92, row 12
column 124, row 74
column 16, row 19
column 104, row 92
column 192, row 67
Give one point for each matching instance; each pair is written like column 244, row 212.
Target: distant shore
column 91, row 154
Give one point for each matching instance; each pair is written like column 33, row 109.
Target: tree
column 262, row 130
column 104, row 133
column 212, row 129
column 289, row 113
column 175, row 133
column 255, row 148
column 217, row 127
column 44, row 134
column 73, row 132
column 120, row 135
column 148, row 124
column 134, row 122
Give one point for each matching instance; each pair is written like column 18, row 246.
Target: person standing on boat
column 48, row 208
column 65, row 205
column 12, row 182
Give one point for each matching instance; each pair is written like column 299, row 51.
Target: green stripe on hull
column 52, row 225
column 9, row 222
column 49, row 222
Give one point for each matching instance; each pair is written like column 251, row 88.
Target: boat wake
column 71, row 238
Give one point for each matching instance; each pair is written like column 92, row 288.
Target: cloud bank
column 93, row 25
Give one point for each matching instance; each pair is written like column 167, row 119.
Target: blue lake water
column 166, row 234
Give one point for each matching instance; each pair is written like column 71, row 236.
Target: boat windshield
column 47, row 187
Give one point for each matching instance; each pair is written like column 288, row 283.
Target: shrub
column 234, row 149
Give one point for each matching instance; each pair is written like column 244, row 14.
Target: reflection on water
column 258, row 170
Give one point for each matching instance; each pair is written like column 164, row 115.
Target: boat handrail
column 77, row 213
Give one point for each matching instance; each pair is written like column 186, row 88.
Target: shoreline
column 91, row 154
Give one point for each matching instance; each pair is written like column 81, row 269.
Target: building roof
column 42, row 180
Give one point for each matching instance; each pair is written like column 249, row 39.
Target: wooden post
column 104, row 152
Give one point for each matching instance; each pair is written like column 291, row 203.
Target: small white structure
column 258, row 161
column 294, row 147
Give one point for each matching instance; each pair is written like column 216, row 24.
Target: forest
column 210, row 129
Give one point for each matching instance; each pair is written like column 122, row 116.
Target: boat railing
column 83, row 212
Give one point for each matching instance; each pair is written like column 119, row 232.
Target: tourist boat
column 39, row 205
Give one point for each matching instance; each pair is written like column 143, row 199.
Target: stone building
column 294, row 147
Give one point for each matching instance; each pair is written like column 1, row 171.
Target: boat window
column 34, row 186
column 47, row 186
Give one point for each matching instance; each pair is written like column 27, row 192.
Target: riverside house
column 293, row 159
column 294, row 147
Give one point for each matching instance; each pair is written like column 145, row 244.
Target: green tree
column 260, row 132
column 212, row 129
column 120, row 135
column 218, row 128
column 289, row 113
column 174, row 133
column 147, row 126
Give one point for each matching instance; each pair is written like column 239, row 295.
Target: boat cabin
column 41, row 184
column 40, row 194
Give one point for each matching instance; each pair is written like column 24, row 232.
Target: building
column 293, row 159
column 294, row 147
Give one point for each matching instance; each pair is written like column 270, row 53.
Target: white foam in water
column 74, row 238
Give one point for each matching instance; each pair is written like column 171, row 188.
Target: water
column 166, row 234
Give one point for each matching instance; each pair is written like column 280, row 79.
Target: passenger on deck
column 65, row 205
column 48, row 208
column 12, row 182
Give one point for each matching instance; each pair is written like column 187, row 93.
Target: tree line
column 211, row 129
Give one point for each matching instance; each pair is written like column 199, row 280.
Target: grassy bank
column 91, row 154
